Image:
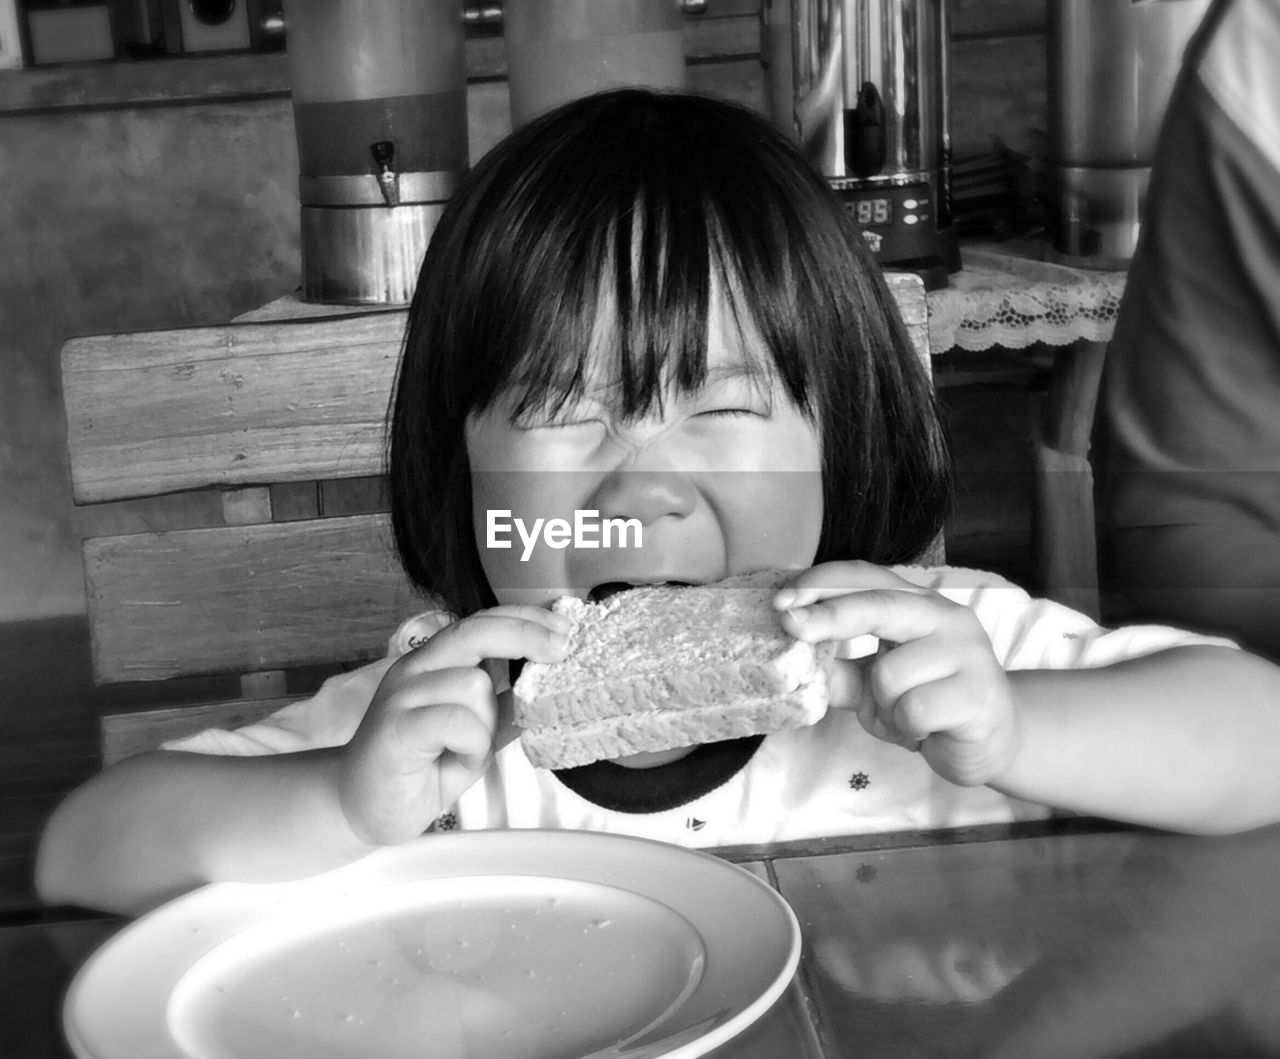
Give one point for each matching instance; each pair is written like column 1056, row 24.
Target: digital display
column 873, row 211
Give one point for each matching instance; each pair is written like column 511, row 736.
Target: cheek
column 777, row 519
column 502, row 502
column 784, row 516
column 503, row 489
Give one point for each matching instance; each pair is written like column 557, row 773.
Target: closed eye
column 560, row 415
column 558, row 420
column 559, row 424
column 727, row 412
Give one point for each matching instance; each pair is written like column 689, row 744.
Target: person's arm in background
column 1186, row 452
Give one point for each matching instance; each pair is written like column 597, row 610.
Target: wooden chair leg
column 1065, row 533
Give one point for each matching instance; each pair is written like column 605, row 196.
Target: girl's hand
column 429, row 732
column 935, row 684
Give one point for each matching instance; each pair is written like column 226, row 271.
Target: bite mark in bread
column 659, row 667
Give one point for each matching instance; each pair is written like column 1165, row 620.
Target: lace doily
column 1001, row 299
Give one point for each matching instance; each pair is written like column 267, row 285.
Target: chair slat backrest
column 913, row 306
column 242, row 598
column 284, row 421
column 162, row 411
column 908, row 291
column 237, row 408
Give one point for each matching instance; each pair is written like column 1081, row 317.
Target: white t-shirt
column 832, row 778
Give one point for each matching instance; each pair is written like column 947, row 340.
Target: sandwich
column 664, row 666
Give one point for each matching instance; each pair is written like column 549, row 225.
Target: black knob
column 212, row 12
column 865, row 141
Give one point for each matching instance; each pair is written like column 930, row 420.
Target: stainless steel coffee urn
column 1112, row 65
column 380, row 112
column 558, row 50
column 863, row 86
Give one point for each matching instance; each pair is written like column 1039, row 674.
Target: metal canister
column 1111, row 67
column 558, row 50
column 863, row 86
column 380, row 111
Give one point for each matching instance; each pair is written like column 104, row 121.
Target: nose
column 645, row 495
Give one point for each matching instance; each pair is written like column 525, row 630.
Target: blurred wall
column 163, row 194
column 118, row 220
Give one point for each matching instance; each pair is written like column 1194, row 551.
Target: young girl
column 650, row 307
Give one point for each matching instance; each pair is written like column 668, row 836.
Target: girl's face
column 719, row 481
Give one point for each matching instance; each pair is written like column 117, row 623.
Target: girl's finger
column 432, row 732
column 836, row 579
column 895, row 671
column 889, row 614
column 930, row 709
column 849, row 683
column 464, row 687
column 541, row 615
column 878, row 723
column 515, row 632
column 923, row 711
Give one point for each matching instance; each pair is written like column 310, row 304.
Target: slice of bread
column 662, row 666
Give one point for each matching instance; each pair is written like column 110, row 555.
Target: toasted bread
column 658, row 667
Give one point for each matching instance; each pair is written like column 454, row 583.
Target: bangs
column 610, row 268
column 595, row 253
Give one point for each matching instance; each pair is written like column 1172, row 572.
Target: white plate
column 486, row 944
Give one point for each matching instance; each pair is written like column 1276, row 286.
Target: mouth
column 603, row 591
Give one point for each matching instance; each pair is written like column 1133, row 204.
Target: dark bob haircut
column 643, row 194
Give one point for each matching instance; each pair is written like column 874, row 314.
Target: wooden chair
column 262, row 443
column 908, row 292
column 913, row 306
column 279, row 566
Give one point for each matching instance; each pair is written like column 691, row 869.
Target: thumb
column 851, row 689
column 850, row 676
column 850, row 683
